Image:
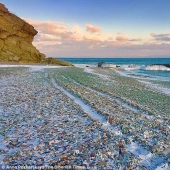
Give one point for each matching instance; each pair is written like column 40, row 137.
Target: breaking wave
column 156, row 67
column 165, row 67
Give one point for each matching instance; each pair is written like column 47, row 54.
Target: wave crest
column 156, row 67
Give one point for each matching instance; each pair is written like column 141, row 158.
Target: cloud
column 152, row 34
column 110, row 38
column 104, row 49
column 91, row 37
column 161, row 37
column 57, row 39
column 92, row 29
column 54, row 31
column 43, row 37
column 137, row 39
column 123, row 38
column 53, row 28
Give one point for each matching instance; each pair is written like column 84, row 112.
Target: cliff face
column 16, row 38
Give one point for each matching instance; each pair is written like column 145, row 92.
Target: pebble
column 42, row 126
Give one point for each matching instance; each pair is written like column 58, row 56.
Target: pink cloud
column 44, row 37
column 90, row 37
column 121, row 38
column 92, row 29
column 49, row 27
column 105, row 49
column 57, row 39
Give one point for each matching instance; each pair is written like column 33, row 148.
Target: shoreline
column 59, row 116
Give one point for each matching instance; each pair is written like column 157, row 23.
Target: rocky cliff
column 16, row 37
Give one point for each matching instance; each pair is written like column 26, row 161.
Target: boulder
column 104, row 65
column 100, row 64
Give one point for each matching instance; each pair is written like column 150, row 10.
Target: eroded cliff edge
column 16, row 37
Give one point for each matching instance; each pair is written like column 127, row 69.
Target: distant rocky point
column 16, row 37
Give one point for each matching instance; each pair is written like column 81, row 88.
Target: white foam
column 84, row 65
column 157, row 67
column 130, row 67
column 143, row 67
column 33, row 67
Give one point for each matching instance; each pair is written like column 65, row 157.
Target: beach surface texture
column 83, row 118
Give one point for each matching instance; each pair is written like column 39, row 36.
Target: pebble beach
column 83, row 118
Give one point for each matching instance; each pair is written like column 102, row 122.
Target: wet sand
column 81, row 117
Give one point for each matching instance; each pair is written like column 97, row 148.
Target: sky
column 97, row 28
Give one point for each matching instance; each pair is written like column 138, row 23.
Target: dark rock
column 100, row 64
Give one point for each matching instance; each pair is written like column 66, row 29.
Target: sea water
column 137, row 66
column 119, row 61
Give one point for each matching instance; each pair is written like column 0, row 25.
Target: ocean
column 138, row 66
column 118, row 61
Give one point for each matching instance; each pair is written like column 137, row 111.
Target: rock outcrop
column 16, row 37
column 104, row 65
